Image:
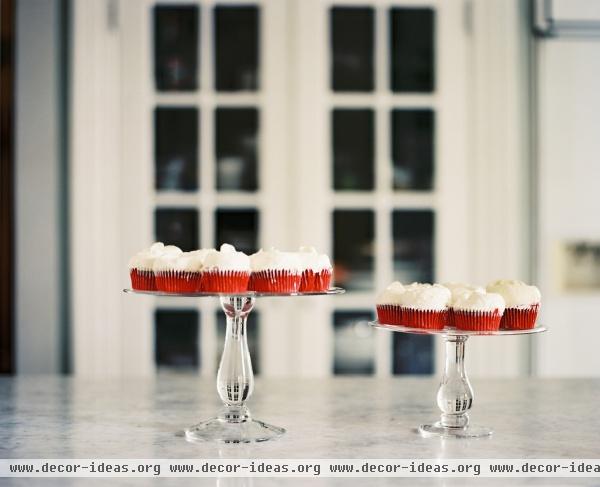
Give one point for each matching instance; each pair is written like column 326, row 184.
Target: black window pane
column 353, row 249
column 413, row 148
column 354, row 343
column 352, row 41
column 412, row 354
column 176, row 47
column 238, row 227
column 236, row 48
column 236, row 148
column 253, row 338
column 177, row 226
column 412, row 49
column 176, row 148
column 413, row 232
column 353, row 149
column 176, row 338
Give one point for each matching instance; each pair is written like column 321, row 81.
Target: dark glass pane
column 176, row 338
column 413, row 149
column 238, row 227
column 176, row 47
column 413, row 354
column 177, row 226
column 253, row 338
column 353, row 249
column 176, row 148
column 413, row 245
column 236, row 148
column 236, row 48
column 412, row 49
column 354, row 343
column 352, row 42
column 353, row 149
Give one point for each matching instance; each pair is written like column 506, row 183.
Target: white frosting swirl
column 515, row 293
column 392, row 293
column 275, row 260
column 201, row 253
column 479, row 301
column 459, row 288
column 426, row 297
column 226, row 259
column 416, row 296
column 145, row 259
column 311, row 260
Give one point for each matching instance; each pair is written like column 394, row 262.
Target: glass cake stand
column 455, row 395
column 235, row 379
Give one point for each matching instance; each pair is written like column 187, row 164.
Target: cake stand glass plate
column 235, row 379
column 455, row 395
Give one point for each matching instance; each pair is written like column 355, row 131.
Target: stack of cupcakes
column 504, row 304
column 168, row 269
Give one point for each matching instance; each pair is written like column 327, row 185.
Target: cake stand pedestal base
column 233, row 426
column 438, row 429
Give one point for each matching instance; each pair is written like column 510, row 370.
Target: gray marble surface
column 57, row 417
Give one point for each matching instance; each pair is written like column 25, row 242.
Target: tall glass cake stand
column 455, row 395
column 235, row 379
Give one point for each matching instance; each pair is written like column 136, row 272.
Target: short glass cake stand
column 455, row 395
column 235, row 379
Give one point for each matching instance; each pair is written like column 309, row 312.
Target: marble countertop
column 59, row 417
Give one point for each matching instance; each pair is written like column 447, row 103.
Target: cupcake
column 478, row 311
column 456, row 290
column 225, row 271
column 316, row 270
column 522, row 303
column 416, row 305
column 140, row 267
column 178, row 272
column 275, row 272
column 388, row 305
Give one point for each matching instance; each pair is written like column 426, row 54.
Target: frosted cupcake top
column 479, row 301
column 515, row 293
column 275, row 260
column 226, row 259
column 432, row 297
column 182, row 262
column 392, row 293
column 459, row 288
column 145, row 259
column 311, row 260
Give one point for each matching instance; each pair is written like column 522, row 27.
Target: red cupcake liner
column 178, row 281
column 275, row 282
column 225, row 281
column 477, row 320
column 450, row 318
column 520, row 318
column 315, row 281
column 142, row 280
column 415, row 318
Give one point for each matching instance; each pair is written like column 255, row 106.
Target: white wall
column 569, row 198
column 38, row 172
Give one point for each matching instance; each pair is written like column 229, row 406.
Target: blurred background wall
column 41, row 277
column 421, row 140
